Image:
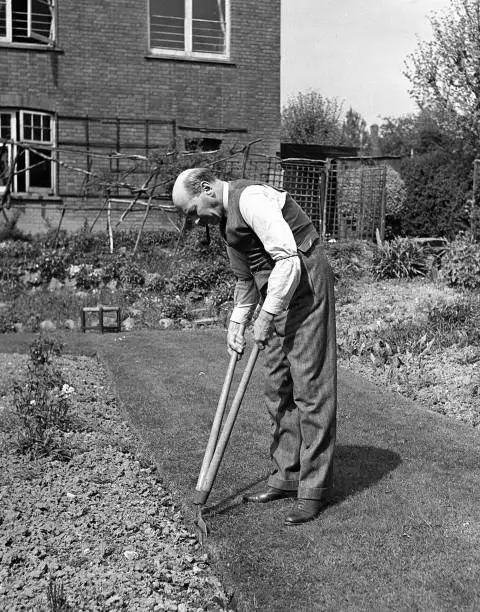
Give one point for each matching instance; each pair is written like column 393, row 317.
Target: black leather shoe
column 270, row 494
column 306, row 510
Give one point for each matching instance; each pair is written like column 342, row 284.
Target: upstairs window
column 27, row 21
column 27, row 139
column 194, row 28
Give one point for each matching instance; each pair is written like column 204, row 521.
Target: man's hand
column 263, row 328
column 236, row 338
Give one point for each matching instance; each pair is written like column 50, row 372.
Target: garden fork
column 216, row 446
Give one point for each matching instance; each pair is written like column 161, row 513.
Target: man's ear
column 207, row 188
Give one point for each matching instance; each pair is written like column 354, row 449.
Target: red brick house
column 99, row 77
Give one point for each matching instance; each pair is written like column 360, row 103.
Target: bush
column 53, row 265
column 437, row 185
column 456, row 323
column 41, row 404
column 461, row 263
column 400, row 258
column 199, row 278
column 349, row 259
column 396, row 193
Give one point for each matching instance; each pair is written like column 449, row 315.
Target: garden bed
column 100, row 525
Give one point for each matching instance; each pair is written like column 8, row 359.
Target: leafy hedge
column 461, row 263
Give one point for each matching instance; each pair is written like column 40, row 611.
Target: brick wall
column 102, row 68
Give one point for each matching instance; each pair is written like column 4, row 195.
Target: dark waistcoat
column 242, row 238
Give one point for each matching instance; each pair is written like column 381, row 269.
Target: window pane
column 41, row 18
column 4, row 165
column 167, row 24
column 5, row 125
column 3, row 18
column 20, row 20
column 21, row 185
column 40, row 170
column 36, row 127
column 208, row 26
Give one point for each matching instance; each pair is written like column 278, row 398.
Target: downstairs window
column 27, row 141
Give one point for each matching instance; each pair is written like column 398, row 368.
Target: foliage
column 41, row 403
column 56, row 598
column 414, row 134
column 52, row 265
column 400, row 258
column 437, row 184
column 396, row 193
column 456, row 323
column 349, row 259
column 443, row 72
column 355, row 132
column 461, row 263
column 10, row 231
column 310, row 118
column 198, row 279
column 401, row 347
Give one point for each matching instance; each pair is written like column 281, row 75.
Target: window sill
column 27, row 47
column 191, row 60
column 35, row 196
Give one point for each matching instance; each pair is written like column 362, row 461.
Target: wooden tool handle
column 206, row 486
column 217, row 421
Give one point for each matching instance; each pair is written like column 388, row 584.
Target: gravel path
column 101, row 525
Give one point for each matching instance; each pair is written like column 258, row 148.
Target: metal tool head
column 201, row 526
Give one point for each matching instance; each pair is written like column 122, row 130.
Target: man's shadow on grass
column 356, row 468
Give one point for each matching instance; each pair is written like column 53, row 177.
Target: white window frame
column 38, row 38
column 17, row 136
column 8, row 17
column 188, row 50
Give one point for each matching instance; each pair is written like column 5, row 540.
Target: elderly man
column 275, row 253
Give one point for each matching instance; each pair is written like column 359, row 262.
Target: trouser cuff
column 286, row 485
column 318, row 494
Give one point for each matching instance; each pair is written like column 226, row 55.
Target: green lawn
column 403, row 532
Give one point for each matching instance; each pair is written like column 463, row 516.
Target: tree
column 310, row 118
column 414, row 135
column 445, row 72
column 355, row 132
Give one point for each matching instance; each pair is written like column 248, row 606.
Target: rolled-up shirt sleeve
column 245, row 298
column 261, row 207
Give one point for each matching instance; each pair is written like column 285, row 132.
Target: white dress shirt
column 261, row 208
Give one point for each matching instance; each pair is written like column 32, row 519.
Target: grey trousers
column 301, row 384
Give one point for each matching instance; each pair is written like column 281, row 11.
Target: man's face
column 206, row 209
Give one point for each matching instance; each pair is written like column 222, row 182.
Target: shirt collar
column 225, row 194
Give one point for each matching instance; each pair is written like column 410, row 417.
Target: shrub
column 53, row 265
column 132, row 275
column 400, row 258
column 437, row 184
column 457, row 322
column 349, row 259
column 41, row 403
column 461, row 263
column 396, row 193
column 87, row 278
column 199, row 278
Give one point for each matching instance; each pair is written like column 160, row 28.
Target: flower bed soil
column 445, row 380
column 102, row 525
